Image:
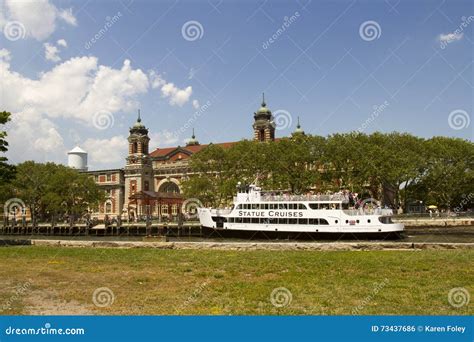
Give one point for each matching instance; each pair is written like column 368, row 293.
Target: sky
column 77, row 72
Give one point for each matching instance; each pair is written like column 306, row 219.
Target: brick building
column 150, row 182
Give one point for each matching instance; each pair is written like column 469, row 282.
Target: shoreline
column 249, row 246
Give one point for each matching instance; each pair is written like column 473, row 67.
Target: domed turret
column 263, row 127
column 298, row 129
column 193, row 141
column 138, row 127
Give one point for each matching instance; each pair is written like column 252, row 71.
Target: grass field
column 53, row 280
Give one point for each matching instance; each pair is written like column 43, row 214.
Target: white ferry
column 255, row 211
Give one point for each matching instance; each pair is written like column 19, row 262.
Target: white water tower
column 77, row 159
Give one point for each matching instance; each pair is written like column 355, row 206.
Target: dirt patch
column 46, row 302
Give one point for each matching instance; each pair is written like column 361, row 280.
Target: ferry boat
column 256, row 211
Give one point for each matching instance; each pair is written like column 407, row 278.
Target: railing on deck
column 300, row 198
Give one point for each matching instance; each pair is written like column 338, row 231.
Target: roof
column 77, row 149
column 191, row 149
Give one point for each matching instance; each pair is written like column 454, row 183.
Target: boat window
column 254, row 206
column 303, row 221
column 238, row 220
column 283, row 221
column 239, row 206
column 323, row 205
column 323, row 221
column 292, row 221
column 255, row 220
column 283, row 206
column 313, row 221
column 246, row 219
column 314, row 205
column 301, row 206
column 385, row 219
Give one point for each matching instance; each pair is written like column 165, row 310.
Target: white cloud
column 162, row 139
column 51, row 52
column 106, row 151
column 196, row 104
column 5, row 55
column 62, row 42
column 67, row 16
column 175, row 95
column 38, row 17
column 450, row 37
column 73, row 90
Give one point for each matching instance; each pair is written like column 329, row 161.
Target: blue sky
column 414, row 74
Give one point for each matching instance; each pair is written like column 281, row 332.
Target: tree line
column 398, row 169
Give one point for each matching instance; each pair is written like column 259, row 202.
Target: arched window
column 169, row 187
column 134, row 147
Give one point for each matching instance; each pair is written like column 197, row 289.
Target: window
column 283, row 221
column 323, row 221
column 292, row 221
column 108, row 207
column 147, row 185
column 255, row 220
column 169, row 187
column 368, row 221
column 314, row 205
column 301, row 206
column 109, row 192
column 282, row 206
column 174, row 209
column 109, row 177
column 303, row 221
column 164, row 209
column 246, row 220
column 323, row 205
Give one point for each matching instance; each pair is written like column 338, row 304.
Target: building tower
column 263, row 126
column 298, row 130
column 138, row 168
column 193, row 141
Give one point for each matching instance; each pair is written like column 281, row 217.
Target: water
column 461, row 234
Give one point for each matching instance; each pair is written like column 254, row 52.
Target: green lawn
column 36, row 280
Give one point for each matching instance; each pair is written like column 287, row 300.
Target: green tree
column 7, row 171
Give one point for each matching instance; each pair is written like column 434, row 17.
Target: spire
column 298, row 129
column 263, row 100
column 193, row 140
column 139, row 119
